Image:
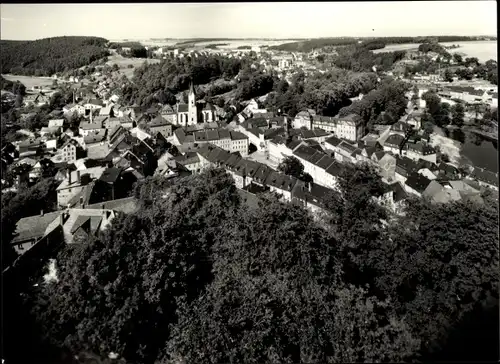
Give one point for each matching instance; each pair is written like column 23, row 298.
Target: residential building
column 190, row 161
column 404, row 167
column 416, row 184
column 160, row 125
column 485, row 178
column 75, row 182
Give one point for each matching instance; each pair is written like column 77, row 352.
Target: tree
column 160, row 260
column 115, row 67
column 256, row 310
column 291, row 166
column 448, row 75
column 457, row 58
column 19, row 101
column 458, row 113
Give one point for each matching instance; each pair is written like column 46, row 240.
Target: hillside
column 44, row 57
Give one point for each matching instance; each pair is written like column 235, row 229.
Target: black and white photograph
column 254, row 182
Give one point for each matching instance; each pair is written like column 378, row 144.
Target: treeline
column 197, row 275
column 325, row 93
column 375, row 43
column 48, row 56
column 433, row 47
column 358, row 58
column 309, row 45
column 215, row 45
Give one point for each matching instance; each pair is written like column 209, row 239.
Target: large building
column 191, row 113
column 348, row 127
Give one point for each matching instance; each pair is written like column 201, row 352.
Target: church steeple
column 191, row 88
column 192, row 108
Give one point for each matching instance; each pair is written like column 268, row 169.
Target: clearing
column 30, row 81
column 124, row 62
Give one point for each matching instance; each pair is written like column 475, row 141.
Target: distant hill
column 375, row 42
column 44, row 57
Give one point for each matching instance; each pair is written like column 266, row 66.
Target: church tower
column 192, row 108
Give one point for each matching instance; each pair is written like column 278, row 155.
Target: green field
column 29, row 81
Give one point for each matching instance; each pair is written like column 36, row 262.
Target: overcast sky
column 247, row 20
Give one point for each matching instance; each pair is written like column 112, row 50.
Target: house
column 71, row 151
column 190, row 161
column 56, row 123
column 416, row 184
column 386, row 166
column 93, row 104
column 485, row 178
column 74, row 109
column 75, row 182
column 50, row 131
column 350, row 127
column 30, row 146
column 95, row 137
column 232, row 141
column 419, row 150
column 394, row 143
column 106, row 111
column 317, row 164
column 30, row 230
column 160, row 125
column 404, row 167
column 86, row 128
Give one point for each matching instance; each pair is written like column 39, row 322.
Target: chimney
column 41, row 212
column 69, row 177
column 82, row 205
column 78, row 176
column 309, row 185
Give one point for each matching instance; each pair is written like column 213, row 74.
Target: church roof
column 182, row 108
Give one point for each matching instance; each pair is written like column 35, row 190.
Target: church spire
column 191, row 87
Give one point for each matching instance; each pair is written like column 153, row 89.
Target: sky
column 249, row 20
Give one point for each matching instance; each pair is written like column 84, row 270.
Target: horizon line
column 253, row 38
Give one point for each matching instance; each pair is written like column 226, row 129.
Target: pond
column 477, row 150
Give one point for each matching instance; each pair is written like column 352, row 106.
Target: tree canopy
column 44, row 57
column 197, row 275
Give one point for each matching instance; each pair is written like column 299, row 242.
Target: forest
column 359, row 58
column 197, row 275
column 328, row 93
column 45, row 57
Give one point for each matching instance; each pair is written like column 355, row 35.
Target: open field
column 123, row 63
column 30, row 81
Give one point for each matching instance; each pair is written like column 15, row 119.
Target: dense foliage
column 312, row 44
column 384, row 105
column 359, row 58
column 172, row 76
column 17, row 88
column 196, row 276
column 325, row 93
column 44, row 57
